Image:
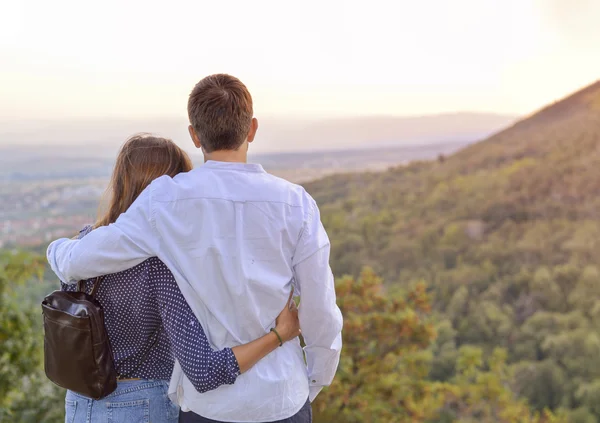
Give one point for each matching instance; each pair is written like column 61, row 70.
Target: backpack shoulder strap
column 97, row 282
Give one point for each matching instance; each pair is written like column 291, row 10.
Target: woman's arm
column 206, row 368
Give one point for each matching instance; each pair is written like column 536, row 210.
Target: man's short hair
column 220, row 111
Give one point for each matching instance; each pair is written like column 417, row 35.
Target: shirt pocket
column 129, row 411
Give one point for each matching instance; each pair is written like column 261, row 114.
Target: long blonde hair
column 142, row 159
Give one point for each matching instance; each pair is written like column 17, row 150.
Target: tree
column 386, row 360
column 384, row 364
column 25, row 394
column 482, row 396
column 543, row 383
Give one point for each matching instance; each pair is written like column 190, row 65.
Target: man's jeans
column 302, row 416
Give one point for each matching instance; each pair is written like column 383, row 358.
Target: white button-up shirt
column 236, row 239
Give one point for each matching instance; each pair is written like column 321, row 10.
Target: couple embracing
column 199, row 268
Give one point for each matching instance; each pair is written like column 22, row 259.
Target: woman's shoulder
column 84, row 231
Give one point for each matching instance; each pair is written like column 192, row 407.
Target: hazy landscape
column 453, row 149
column 43, row 198
column 101, row 137
column 50, row 189
column 487, row 254
column 473, row 267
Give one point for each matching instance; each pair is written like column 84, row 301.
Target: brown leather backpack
column 77, row 351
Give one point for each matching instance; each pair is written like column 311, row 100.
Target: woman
column 148, row 321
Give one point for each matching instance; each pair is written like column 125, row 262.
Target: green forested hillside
column 505, row 234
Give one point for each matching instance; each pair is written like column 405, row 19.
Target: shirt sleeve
column 108, row 249
column 320, row 318
column 206, row 368
column 73, row 287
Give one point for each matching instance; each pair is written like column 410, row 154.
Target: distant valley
column 47, row 193
column 53, row 173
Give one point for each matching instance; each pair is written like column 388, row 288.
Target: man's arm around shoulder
column 108, row 249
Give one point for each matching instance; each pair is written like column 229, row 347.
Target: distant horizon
column 275, row 134
column 292, row 117
column 196, row 154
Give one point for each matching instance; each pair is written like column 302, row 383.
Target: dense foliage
column 383, row 374
column 506, row 235
column 26, row 396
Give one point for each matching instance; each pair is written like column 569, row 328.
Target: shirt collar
column 244, row 167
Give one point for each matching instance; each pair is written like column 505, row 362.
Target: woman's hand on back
column 287, row 323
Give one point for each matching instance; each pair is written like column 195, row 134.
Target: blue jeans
column 136, row 401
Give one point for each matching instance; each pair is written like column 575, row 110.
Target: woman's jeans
column 135, row 401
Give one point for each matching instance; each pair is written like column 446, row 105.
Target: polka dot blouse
column 149, row 324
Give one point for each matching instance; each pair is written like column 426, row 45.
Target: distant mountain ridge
column 379, row 131
column 103, row 136
column 572, row 123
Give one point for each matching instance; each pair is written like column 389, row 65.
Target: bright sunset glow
column 63, row 59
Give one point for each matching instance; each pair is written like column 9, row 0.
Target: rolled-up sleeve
column 108, row 249
column 320, row 318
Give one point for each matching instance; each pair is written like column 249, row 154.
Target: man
column 236, row 239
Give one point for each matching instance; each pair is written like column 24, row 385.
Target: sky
column 67, row 59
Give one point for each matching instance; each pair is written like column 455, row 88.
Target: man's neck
column 233, row 156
